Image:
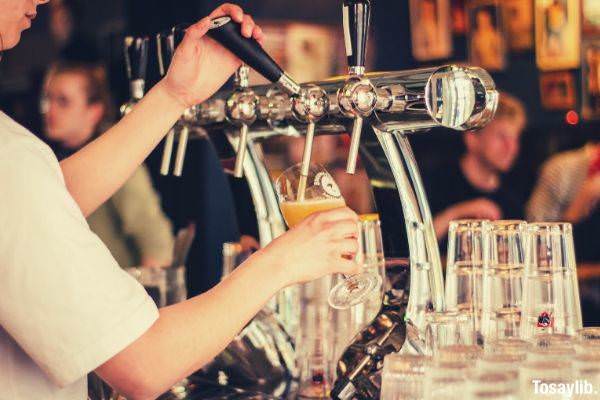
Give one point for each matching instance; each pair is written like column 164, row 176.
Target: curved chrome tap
column 242, row 108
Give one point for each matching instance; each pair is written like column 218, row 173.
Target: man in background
column 472, row 186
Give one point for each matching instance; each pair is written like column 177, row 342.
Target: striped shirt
column 561, row 179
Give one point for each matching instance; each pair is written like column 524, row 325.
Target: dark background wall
column 106, row 22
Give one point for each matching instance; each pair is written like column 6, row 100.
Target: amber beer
column 296, row 211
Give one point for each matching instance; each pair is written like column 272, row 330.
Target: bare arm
column 188, row 335
column 97, row 171
column 199, row 68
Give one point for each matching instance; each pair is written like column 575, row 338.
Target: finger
column 198, row 30
column 346, row 247
column 248, row 26
column 347, row 228
column 234, row 11
column 258, row 33
column 345, row 266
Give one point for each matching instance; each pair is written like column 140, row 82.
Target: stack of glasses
column 509, row 279
column 548, row 366
column 512, row 327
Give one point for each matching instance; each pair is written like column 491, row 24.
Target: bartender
column 66, row 307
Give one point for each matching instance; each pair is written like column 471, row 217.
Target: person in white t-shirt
column 66, row 308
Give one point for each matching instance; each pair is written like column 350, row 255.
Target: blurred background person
column 568, row 190
column 76, row 107
column 472, row 185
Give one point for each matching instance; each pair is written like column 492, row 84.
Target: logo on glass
column 329, row 186
column 545, row 320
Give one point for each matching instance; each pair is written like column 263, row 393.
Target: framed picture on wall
column 557, row 90
column 591, row 17
column 487, row 43
column 307, row 51
column 518, row 23
column 590, row 79
column 459, row 17
column 557, row 34
column 431, row 35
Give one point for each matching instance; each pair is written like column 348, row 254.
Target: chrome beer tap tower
column 395, row 105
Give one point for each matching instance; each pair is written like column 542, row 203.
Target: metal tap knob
column 136, row 63
column 358, row 97
column 310, row 105
column 229, row 34
column 242, row 110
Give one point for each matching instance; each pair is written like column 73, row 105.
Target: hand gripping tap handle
column 136, row 63
column 356, row 20
column 178, row 33
column 229, row 34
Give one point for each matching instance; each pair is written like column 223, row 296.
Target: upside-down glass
column 509, row 346
column 403, row 377
column 464, row 269
column 492, row 385
column 588, row 340
column 446, row 380
column 447, row 328
column 322, row 193
column 535, row 378
column 504, row 261
column 551, row 291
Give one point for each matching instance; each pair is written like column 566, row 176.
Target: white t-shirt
column 65, row 305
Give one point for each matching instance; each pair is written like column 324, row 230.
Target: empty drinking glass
column 586, row 368
column 501, row 362
column 464, row 269
column 504, row 245
column 551, row 291
column 154, row 280
column 510, row 346
column 403, row 377
column 587, row 340
column 536, row 378
column 447, row 328
column 446, row 380
column 492, row 385
column 553, row 341
column 459, row 352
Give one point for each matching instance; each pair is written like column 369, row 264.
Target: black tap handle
column 356, row 17
column 165, row 49
column 229, row 34
column 136, row 57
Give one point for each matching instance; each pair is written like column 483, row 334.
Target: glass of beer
column 321, row 193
